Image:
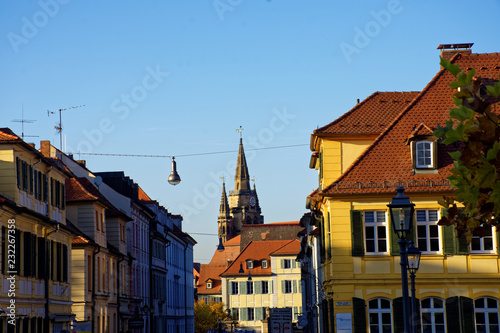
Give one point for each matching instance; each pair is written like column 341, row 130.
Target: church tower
column 242, row 205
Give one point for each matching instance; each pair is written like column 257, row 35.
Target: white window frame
column 266, row 289
column 287, row 262
column 264, row 264
column 419, row 150
column 428, row 224
column 379, row 311
column 432, row 311
column 481, row 241
column 249, row 264
column 376, row 225
column 209, row 285
column 486, row 311
column 249, row 287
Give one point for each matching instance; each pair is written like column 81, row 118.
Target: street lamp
column 174, row 177
column 401, row 211
column 413, row 258
column 241, row 271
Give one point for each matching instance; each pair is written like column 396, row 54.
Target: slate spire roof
column 241, row 178
column 224, row 204
column 387, row 162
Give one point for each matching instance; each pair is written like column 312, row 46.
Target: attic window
column 425, row 154
column 264, row 264
column 209, row 285
column 249, row 264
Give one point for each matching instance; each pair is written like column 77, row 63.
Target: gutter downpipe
column 93, row 286
column 47, row 276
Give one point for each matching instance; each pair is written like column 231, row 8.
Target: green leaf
column 453, row 69
column 455, row 155
column 493, row 152
column 462, row 113
column 494, row 91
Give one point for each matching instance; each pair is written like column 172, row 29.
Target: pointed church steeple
column 241, row 178
column 224, row 204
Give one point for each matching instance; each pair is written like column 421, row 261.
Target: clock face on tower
column 252, row 201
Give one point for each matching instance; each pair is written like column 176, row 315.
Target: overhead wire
column 185, row 155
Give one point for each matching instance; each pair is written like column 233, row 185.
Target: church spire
column 241, row 178
column 224, row 205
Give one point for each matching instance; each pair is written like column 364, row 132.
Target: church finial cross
column 239, row 130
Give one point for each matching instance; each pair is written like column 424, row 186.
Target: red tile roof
column 290, row 223
column 387, row 162
column 257, row 251
column 210, row 272
column 231, row 251
column 292, row 248
column 372, row 115
column 81, row 189
column 6, row 134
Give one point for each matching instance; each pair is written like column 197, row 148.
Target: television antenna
column 59, row 127
column 22, row 121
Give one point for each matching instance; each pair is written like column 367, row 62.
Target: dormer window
column 249, row 264
column 264, row 264
column 424, row 154
column 209, row 285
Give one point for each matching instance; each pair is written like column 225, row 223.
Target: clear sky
column 169, row 77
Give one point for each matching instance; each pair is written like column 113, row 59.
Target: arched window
column 486, row 314
column 380, row 315
column 433, row 317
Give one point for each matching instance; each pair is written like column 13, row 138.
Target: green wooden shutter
column 462, row 245
column 258, row 313
column 271, row 286
column 300, row 286
column 359, row 315
column 282, row 263
column 449, row 239
column 293, row 263
column 295, row 312
column 243, row 314
column 358, row 249
column 452, row 314
column 242, row 287
column 467, row 314
column 283, row 286
column 397, row 314
column 258, row 287
column 294, row 284
column 393, row 239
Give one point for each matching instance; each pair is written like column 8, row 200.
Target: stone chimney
column 449, row 50
column 45, row 148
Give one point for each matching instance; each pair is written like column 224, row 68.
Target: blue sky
column 179, row 77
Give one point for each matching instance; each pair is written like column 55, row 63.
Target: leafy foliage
column 206, row 315
column 475, row 130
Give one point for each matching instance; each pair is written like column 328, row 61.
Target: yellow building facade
column 457, row 284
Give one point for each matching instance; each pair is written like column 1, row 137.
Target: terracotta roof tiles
column 371, row 116
column 387, row 162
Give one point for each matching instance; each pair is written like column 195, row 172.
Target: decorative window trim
column 376, row 224
column 417, row 161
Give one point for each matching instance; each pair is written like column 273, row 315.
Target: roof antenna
column 22, row 121
column 59, row 127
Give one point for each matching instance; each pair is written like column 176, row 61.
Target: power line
column 187, row 155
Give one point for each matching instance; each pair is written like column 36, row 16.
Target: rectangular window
column 264, row 264
column 97, row 223
column 250, row 314
column 58, row 193
column 288, row 287
column 234, row 288
column 287, row 263
column 423, row 154
column 249, row 264
column 30, row 178
column 428, row 231
column 375, row 223
column 265, row 287
column 249, row 287
column 482, row 240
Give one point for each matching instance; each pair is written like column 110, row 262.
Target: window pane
column 370, row 217
column 386, row 318
column 488, row 243
column 370, row 232
column 438, row 303
column 381, row 231
column 373, row 304
column 479, row 303
column 422, row 244
column 434, row 245
column 492, row 303
column 439, row 317
column 370, row 246
column 421, row 216
column 433, row 215
column 480, row 318
column 426, row 303
column 434, row 231
column 373, row 318
column 380, row 216
column 382, row 245
column 475, row 244
column 422, row 231
column 385, row 304
column 493, row 318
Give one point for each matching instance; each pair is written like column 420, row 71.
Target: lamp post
column 220, row 247
column 413, row 260
column 401, row 211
